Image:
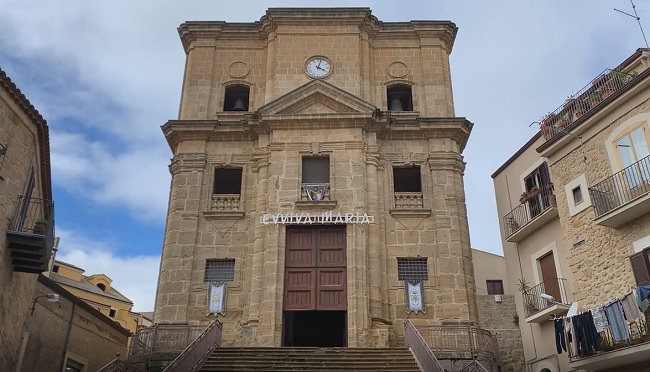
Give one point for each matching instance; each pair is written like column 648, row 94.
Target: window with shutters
column 641, row 267
column 539, row 179
column 218, row 273
column 413, row 272
column 494, row 287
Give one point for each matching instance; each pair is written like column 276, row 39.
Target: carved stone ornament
column 397, row 69
column 315, row 192
column 238, row 70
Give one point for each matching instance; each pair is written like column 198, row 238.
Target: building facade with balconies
column 592, row 154
column 317, row 181
column 26, row 205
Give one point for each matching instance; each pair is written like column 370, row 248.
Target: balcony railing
column 31, row 234
column 164, row 337
column 587, row 98
column 534, row 303
column 534, row 204
column 622, row 187
column 408, row 200
column 419, row 347
column 226, row 202
column 193, row 357
column 315, row 192
column 117, row 365
column 475, row 342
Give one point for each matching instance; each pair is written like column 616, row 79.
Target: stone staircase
column 230, row 359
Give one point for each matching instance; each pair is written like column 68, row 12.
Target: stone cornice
column 415, row 128
column 446, row 160
column 177, row 131
column 188, row 163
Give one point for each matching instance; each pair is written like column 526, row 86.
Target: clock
column 318, row 67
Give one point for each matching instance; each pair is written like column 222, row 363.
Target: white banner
column 216, row 298
column 323, row 218
column 414, row 295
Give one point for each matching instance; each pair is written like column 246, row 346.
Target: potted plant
column 40, row 227
column 533, row 192
column 523, row 197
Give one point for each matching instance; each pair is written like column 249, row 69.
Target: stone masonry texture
column 343, row 117
column 499, row 318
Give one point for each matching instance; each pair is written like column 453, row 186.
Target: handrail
column 474, row 366
column 195, row 354
column 425, row 357
column 461, row 338
column 163, row 337
column 532, row 297
column 118, row 365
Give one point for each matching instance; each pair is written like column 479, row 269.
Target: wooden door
column 549, row 277
column 315, row 268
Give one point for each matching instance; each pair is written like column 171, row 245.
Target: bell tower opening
column 236, row 98
column 400, row 97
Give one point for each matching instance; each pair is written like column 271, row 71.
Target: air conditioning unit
column 498, row 298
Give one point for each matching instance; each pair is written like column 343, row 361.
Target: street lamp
column 51, row 297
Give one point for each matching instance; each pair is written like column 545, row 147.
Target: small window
column 227, row 180
column 112, row 313
column 494, row 287
column 316, row 170
column 55, row 268
column 412, row 269
column 407, row 179
column 220, row 270
column 101, row 286
column 399, row 97
column 577, row 195
column 236, row 98
column 73, row 366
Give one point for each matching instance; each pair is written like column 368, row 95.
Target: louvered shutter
column 639, row 262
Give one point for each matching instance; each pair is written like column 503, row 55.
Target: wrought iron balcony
column 537, row 207
column 30, row 235
column 408, row 200
column 538, row 309
column 623, row 196
column 315, row 192
column 580, row 104
column 464, row 341
column 226, row 202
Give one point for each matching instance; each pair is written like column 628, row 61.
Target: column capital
column 444, row 160
column 188, row 163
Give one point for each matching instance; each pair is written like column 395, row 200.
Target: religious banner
column 414, row 298
column 217, row 298
column 321, row 218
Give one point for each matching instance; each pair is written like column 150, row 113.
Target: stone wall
column 18, row 134
column 499, row 318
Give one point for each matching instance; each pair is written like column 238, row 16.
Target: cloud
column 133, row 276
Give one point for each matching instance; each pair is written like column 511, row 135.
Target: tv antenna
column 638, row 19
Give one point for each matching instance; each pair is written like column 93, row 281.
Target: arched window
column 400, row 97
column 236, row 98
column 101, row 286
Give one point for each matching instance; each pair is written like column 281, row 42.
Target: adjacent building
column 317, row 181
column 574, row 203
column 27, row 225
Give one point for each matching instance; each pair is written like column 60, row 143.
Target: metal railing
column 534, row 303
column 637, row 334
column 474, row 366
column 163, row 337
column 118, row 365
column 533, row 204
column 423, row 353
column 408, row 200
column 478, row 343
column 315, row 191
column 226, row 202
column 577, row 105
column 35, row 216
column 193, row 357
column 621, row 187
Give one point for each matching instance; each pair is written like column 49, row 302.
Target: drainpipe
column 67, row 336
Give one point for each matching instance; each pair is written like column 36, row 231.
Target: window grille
column 412, row 270
column 220, row 270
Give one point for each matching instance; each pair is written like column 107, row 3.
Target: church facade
column 317, row 193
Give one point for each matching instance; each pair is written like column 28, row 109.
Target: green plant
column 523, row 285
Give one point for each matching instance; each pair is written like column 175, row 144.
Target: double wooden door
column 315, row 268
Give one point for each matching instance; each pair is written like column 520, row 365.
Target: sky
column 107, row 74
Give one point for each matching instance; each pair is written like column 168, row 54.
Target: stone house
column 574, row 203
column 317, row 181
column 27, row 211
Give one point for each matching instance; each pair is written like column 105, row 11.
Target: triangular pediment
column 317, row 97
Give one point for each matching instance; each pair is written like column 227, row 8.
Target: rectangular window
column 73, row 366
column 494, row 287
column 112, row 313
column 407, row 179
column 220, row 270
column 227, row 180
column 577, row 195
column 55, row 268
column 412, row 269
column 316, row 170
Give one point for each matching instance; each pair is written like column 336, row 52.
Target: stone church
column 317, row 193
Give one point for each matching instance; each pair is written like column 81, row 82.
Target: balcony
column 615, row 355
column 30, row 235
column 225, row 206
column 538, row 309
column 536, row 209
column 588, row 100
column 623, row 196
column 409, row 204
column 315, row 196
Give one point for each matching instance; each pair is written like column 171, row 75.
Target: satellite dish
column 573, row 310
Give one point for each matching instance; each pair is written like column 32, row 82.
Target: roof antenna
column 638, row 19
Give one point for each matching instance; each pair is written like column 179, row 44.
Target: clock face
column 318, row 67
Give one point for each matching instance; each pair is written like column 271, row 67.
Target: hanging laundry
column 586, row 335
column 600, row 319
column 630, row 308
column 642, row 297
column 616, row 320
column 572, row 343
column 560, row 341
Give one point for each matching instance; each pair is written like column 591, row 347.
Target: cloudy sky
column 107, row 74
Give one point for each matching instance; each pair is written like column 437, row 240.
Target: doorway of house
column 315, row 295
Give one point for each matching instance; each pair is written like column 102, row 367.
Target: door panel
column 549, row 277
column 315, row 268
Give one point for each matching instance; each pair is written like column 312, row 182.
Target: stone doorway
column 315, row 328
